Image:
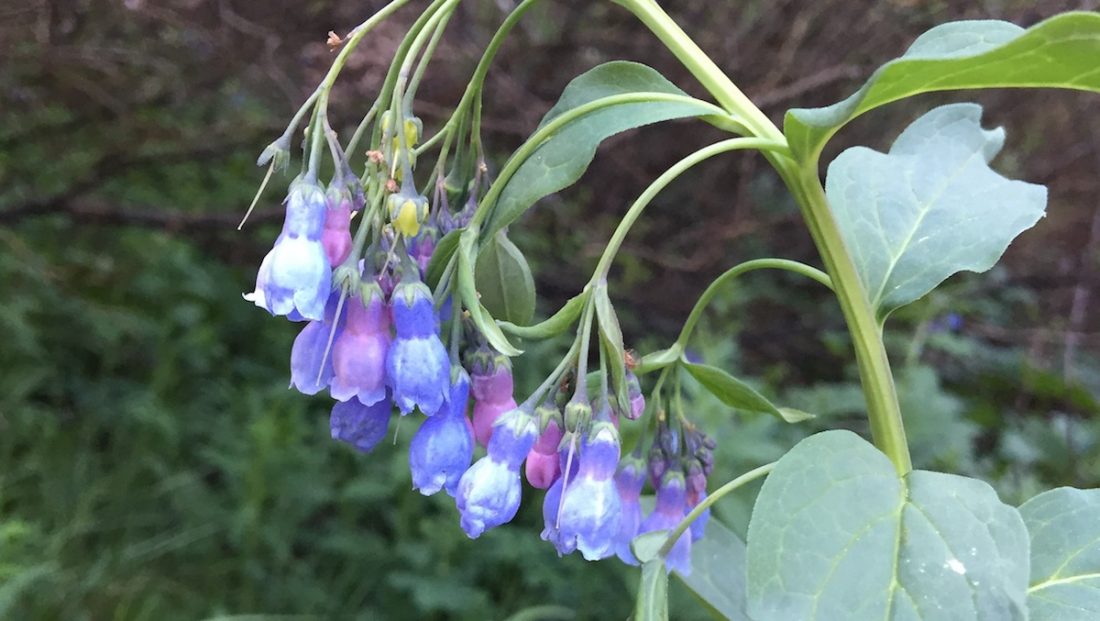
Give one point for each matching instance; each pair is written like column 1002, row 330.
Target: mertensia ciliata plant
column 422, row 311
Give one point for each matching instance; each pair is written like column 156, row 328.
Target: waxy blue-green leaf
column 737, row 394
column 718, row 571
column 836, row 534
column 504, row 281
column 930, row 207
column 1065, row 554
column 1060, row 52
column 563, row 158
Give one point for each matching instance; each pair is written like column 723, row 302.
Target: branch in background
column 98, row 212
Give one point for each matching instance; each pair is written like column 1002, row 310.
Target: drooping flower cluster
column 394, row 326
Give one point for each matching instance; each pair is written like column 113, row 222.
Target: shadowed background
column 153, row 464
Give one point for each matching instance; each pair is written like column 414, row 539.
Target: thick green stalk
column 702, row 67
column 887, row 428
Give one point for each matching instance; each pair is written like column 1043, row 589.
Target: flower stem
column 734, row 272
column 712, row 498
column 660, row 183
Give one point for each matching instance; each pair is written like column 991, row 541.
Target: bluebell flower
column 488, row 496
column 359, row 353
column 295, row 278
column 362, row 426
column 418, row 370
column 308, row 352
column 629, row 480
column 514, row 435
column 667, row 515
column 489, row 492
column 589, row 516
column 441, row 450
column 550, row 505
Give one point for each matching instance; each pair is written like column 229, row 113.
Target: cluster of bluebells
column 383, row 344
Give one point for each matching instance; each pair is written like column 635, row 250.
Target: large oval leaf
column 835, row 534
column 1065, row 554
column 504, row 281
column 562, row 158
column 1060, row 52
column 718, row 572
column 930, row 207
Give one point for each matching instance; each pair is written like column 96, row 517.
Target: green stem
column 702, row 67
column 677, row 169
column 887, row 428
column 422, row 65
column 532, row 144
column 712, row 498
column 734, row 272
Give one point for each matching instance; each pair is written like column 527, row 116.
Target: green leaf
column 929, row 208
column 441, row 256
column 553, row 326
column 504, row 281
column 563, row 158
column 1060, row 52
column 737, row 394
column 652, row 600
column 836, row 534
column 611, row 339
column 1065, row 554
column 658, row 360
column 467, row 293
column 718, row 571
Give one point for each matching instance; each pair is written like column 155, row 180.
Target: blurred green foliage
column 153, row 463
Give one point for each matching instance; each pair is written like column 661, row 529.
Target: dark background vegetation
column 153, row 464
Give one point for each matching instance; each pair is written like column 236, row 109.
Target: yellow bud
column 407, row 221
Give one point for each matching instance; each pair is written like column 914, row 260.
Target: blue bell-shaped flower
column 295, row 278
column 442, row 448
column 362, row 426
column 418, row 370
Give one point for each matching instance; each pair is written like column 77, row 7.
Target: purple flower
column 489, row 492
column 361, row 426
column 637, row 399
column 441, row 450
column 492, row 389
column 543, row 463
column 589, row 517
column 309, row 350
column 359, row 353
column 629, row 480
column 696, row 492
column 295, row 277
column 422, row 246
column 417, row 367
column 542, row 469
column 336, row 236
column 667, row 514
